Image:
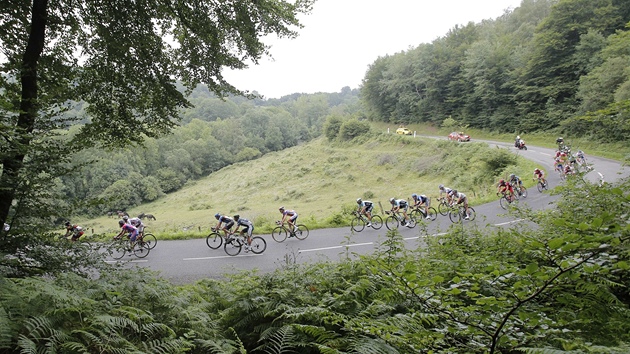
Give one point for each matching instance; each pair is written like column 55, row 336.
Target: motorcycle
column 520, row 144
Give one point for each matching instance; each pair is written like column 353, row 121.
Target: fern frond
column 278, row 340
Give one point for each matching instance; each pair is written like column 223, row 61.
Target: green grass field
column 322, row 180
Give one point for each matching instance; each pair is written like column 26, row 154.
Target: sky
column 341, row 38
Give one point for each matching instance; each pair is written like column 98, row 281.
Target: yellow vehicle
column 403, row 131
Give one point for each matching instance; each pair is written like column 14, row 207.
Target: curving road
column 187, row 261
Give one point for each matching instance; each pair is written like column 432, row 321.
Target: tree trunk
column 14, row 160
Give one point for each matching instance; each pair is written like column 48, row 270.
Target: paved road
column 190, row 260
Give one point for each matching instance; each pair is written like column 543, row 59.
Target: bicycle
column 394, row 220
column 281, row 232
column 235, row 243
column 149, row 239
column 506, row 199
column 457, row 213
column 360, row 221
column 214, row 240
column 519, row 192
column 443, row 206
column 418, row 213
column 121, row 246
column 541, row 186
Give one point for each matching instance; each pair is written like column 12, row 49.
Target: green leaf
column 532, row 268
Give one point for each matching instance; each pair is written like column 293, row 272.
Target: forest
column 547, row 65
column 138, row 117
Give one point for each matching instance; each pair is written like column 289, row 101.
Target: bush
column 353, row 128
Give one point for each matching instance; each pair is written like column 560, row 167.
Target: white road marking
column 220, row 257
column 335, row 247
column 509, row 222
column 543, row 153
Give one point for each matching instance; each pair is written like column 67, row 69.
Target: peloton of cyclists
column 365, row 208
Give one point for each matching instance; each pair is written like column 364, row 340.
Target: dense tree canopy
column 530, row 69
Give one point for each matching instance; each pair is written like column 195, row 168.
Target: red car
column 459, row 136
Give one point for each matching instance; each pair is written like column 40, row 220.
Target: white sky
column 341, row 38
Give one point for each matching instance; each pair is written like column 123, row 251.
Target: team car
column 459, row 136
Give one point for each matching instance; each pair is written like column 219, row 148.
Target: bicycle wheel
column 279, row 234
column 443, row 209
column 454, row 215
column 141, row 249
column 411, row 223
column 233, row 246
column 471, row 214
column 523, row 192
column 432, row 214
column 302, row 232
column 391, row 222
column 377, row 222
column 416, row 214
column 214, row 240
column 259, row 245
column 504, row 202
column 540, row 186
column 118, row 248
column 150, row 240
column 357, row 224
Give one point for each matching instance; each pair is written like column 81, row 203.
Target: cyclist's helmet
column 217, row 216
column 502, row 182
column 414, row 196
column 454, row 192
column 537, row 170
column 125, row 218
column 441, row 187
column 281, row 209
column 359, row 200
column 518, row 137
column 121, row 222
column 512, row 176
column 67, row 223
column 391, row 200
column 236, row 217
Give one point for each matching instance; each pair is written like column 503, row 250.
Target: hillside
column 321, row 180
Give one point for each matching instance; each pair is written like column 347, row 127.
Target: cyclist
column 225, row 221
column 248, row 227
column 126, row 219
column 365, row 208
column 421, row 200
column 540, row 176
column 398, row 205
column 446, row 191
column 461, row 198
column 138, row 224
column 290, row 216
column 506, row 188
column 516, row 181
column 75, row 230
column 132, row 231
